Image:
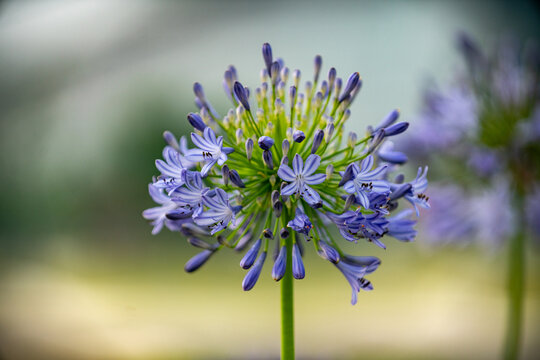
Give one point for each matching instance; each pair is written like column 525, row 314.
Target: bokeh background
column 86, row 90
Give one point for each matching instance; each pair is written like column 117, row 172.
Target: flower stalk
column 287, row 306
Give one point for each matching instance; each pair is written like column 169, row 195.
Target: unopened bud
column 278, row 207
column 285, row 145
column 249, row 148
column 329, row 171
column 235, row 179
column 267, row 233
column 317, row 140
column 268, row 160
column 225, row 174
column 349, row 201
column 298, row 136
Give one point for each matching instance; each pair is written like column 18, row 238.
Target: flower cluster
column 279, row 167
column 484, row 131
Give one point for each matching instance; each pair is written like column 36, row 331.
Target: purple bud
column 399, row 178
column 274, row 196
column 235, row 179
column 266, row 142
column 278, row 207
column 284, row 160
column 280, row 265
column 253, row 274
column 196, row 121
column 195, row 241
column 393, row 157
column 298, row 136
column 351, row 139
column 349, row 201
column 274, row 72
column 268, row 234
column 225, row 174
column 292, row 94
column 228, row 77
column 329, row 131
column 284, row 74
column 190, row 229
column 284, row 233
column 396, row 128
column 285, row 146
column 234, row 74
column 243, row 241
column 338, row 85
column 268, row 160
column 297, row 263
column 329, row 253
column 401, row 191
column 351, row 85
column 198, row 260
column 198, row 90
column 267, row 56
column 317, row 140
column 171, row 140
column 347, row 175
column 283, row 197
column 318, row 64
column 331, row 77
column 324, row 88
column 388, row 120
column 376, row 140
column 249, row 148
column 241, row 94
column 248, row 259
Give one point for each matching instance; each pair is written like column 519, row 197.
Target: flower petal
column 312, row 163
column 290, row 189
column 315, row 179
column 286, row 173
column 298, row 164
column 206, row 168
column 311, row 196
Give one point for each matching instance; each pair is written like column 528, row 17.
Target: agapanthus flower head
column 279, row 167
column 483, row 130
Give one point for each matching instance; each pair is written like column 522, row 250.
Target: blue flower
column 300, row 177
column 416, row 194
column 190, row 198
column 354, row 274
column 354, row 268
column 219, row 213
column 365, row 180
column 172, row 171
column 211, row 150
column 300, row 223
column 401, row 227
column 353, row 225
column 158, row 214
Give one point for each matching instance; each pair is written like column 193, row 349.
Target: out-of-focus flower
column 483, row 134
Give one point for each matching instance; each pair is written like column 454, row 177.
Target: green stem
column 287, row 311
column 516, row 275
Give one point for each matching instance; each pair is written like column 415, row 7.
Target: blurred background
column 86, row 90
